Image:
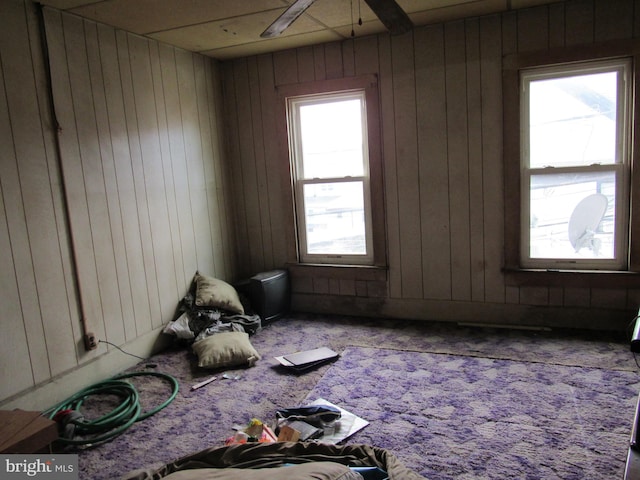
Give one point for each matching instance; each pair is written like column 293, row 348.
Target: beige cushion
column 225, row 349
column 213, row 292
column 306, row 471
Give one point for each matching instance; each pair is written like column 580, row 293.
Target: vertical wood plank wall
column 141, row 146
column 154, row 195
column 440, row 90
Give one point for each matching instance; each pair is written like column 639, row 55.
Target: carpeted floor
column 455, row 416
column 449, row 401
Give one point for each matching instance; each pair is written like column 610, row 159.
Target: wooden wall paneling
column 348, row 58
column 534, row 295
column 194, row 160
column 556, row 25
column 511, row 145
column 476, row 165
column 608, row 298
column 387, row 126
column 124, row 183
column 101, row 252
column 347, row 286
column 43, row 270
column 301, row 285
column 576, row 297
column 233, row 152
column 141, row 208
column 333, row 60
column 319, row 67
column 114, row 328
column 151, row 155
column 493, row 191
column 225, row 189
column 306, row 64
column 259, row 165
column 320, row 285
column 509, row 26
column 556, row 296
column 633, row 301
column 201, row 117
column 57, row 199
column 72, row 173
column 285, row 67
column 512, row 295
column 433, row 164
column 457, row 122
column 366, row 55
column 276, row 158
column 366, row 63
column 404, row 102
column 580, row 22
column 248, row 165
column 533, row 34
column 334, row 286
column 16, row 347
column 179, row 171
column 533, row 29
column 20, row 335
column 613, row 19
column 180, row 278
column 220, row 171
column 210, row 149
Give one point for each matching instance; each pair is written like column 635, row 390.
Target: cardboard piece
column 25, row 432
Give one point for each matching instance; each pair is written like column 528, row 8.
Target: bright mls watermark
column 49, row 466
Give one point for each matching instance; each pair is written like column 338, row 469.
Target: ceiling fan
column 388, row 11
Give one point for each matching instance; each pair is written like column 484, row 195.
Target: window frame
column 369, row 84
column 301, row 181
column 515, row 273
column 619, row 167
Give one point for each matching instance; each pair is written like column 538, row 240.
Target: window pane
column 572, row 215
column 332, row 139
column 334, row 215
column 573, row 120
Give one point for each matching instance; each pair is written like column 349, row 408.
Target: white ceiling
column 226, row 29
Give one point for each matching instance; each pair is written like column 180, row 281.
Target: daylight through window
column 575, row 168
column 328, row 136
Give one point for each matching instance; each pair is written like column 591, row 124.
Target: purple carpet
column 451, row 416
column 448, row 401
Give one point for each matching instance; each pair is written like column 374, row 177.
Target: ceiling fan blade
column 391, row 15
column 287, row 18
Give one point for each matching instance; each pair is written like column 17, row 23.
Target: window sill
column 571, row 278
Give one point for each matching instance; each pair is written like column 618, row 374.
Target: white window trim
column 295, row 148
column 621, row 167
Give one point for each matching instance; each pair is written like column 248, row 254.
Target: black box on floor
column 268, row 293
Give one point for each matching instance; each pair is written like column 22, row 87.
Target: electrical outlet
column 90, row 341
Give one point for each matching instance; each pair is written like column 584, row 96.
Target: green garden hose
column 117, row 420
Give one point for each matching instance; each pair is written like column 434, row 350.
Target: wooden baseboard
column 468, row 312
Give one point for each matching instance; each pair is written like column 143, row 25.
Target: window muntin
column 328, row 136
column 574, row 167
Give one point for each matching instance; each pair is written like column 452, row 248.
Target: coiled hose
column 117, row 420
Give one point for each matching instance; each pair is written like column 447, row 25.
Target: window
column 575, row 165
column 328, row 135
